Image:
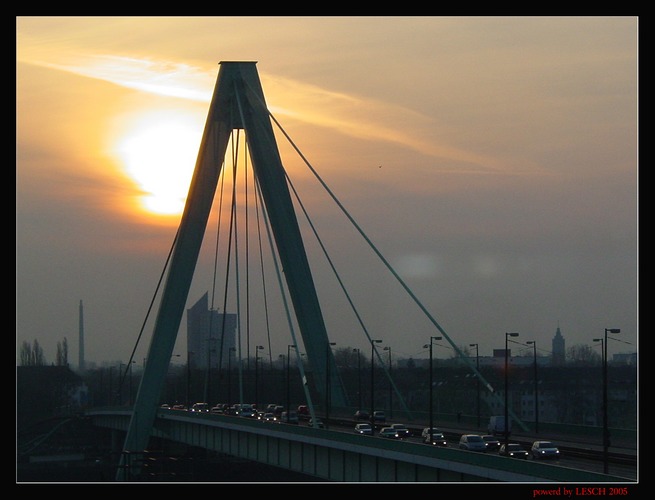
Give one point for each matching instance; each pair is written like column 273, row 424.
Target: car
column 289, row 417
column 402, row 430
column 200, row 408
column 218, row 409
column 179, row 407
column 492, row 442
column 303, row 412
column 472, row 442
column 513, row 450
column 165, row 406
column 277, row 411
column 436, row 439
column 544, row 450
column 269, row 417
column 319, row 423
column 388, row 433
column 426, row 432
column 379, row 417
column 364, row 429
column 361, row 415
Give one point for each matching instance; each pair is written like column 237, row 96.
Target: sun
column 159, row 152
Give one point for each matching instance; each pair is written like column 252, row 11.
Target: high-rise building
column 559, row 349
column 210, row 335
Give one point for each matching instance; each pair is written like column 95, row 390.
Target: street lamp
column 229, row 376
column 602, row 358
column 359, row 378
column 288, row 378
column 327, row 382
column 373, row 342
column 257, row 349
column 606, row 431
column 431, row 384
column 536, row 387
column 507, row 334
column 188, row 378
column 477, row 378
column 388, row 348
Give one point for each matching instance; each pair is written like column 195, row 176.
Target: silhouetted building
column 206, row 342
column 559, row 349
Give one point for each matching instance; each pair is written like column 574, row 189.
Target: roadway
column 576, row 453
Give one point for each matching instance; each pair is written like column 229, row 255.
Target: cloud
column 358, row 117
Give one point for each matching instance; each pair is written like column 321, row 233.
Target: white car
column 364, row 429
column 472, row 442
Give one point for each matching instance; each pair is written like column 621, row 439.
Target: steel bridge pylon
column 237, row 103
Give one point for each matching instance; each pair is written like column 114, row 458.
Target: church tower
column 559, row 351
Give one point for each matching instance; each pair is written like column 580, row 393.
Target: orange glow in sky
column 158, row 152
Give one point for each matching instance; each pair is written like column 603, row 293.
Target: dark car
column 319, row 423
column 388, row 433
column 379, row 417
column 436, row 439
column 361, row 415
column 303, row 412
column 402, row 430
column 492, row 442
column 513, row 450
column 544, row 450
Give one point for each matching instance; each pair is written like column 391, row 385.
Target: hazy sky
column 491, row 160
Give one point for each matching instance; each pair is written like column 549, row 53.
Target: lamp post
column 431, row 413
column 373, row 342
column 507, row 334
column 606, row 430
column 477, row 378
column 257, row 349
column 229, row 376
column 536, row 386
column 359, row 379
column 602, row 357
column 288, row 379
column 388, row 348
column 188, row 378
column 327, row 382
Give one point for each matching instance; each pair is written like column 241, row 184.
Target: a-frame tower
column 237, row 103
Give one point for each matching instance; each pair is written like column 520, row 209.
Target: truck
column 496, row 426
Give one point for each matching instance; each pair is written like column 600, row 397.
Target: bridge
column 335, row 456
column 238, row 104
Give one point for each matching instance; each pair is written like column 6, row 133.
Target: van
column 496, row 426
